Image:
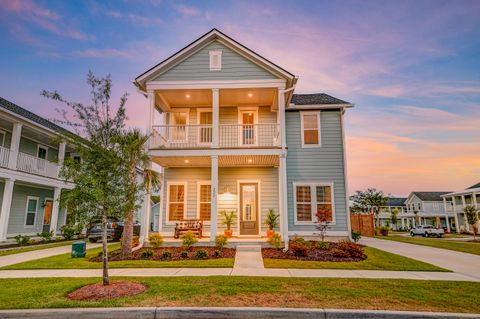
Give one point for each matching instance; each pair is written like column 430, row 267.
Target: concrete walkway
column 461, row 263
column 248, row 257
column 37, row 254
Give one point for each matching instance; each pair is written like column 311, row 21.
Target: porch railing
column 4, row 156
column 201, row 136
column 34, row 165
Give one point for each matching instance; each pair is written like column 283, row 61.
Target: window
column 42, row 151
column 310, row 126
column 204, row 197
column 31, row 211
column 176, row 205
column 77, row 158
column 215, row 60
column 313, row 198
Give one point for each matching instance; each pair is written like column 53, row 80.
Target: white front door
column 248, row 119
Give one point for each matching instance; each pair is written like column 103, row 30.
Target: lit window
column 204, row 201
column 310, row 124
column 176, row 202
column 312, row 199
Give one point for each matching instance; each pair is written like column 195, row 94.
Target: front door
column 247, row 132
column 249, row 209
column 47, row 214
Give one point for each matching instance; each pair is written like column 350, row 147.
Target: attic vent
column 215, row 60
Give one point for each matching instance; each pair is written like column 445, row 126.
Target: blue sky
column 412, row 68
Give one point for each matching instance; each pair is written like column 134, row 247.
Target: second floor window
column 310, row 126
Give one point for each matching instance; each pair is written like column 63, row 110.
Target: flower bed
column 171, row 254
column 300, row 249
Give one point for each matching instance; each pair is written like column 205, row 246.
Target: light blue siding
column 197, row 67
column 323, row 164
column 28, row 146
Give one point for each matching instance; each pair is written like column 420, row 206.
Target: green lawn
column 384, row 294
column 11, row 251
column 461, row 246
column 376, row 260
column 65, row 261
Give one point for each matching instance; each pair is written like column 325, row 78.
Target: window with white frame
column 312, row 200
column 204, row 201
column 215, row 60
column 31, row 211
column 310, row 126
column 176, row 206
column 42, row 151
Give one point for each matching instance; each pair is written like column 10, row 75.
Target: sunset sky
column 412, row 68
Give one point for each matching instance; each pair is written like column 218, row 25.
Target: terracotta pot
column 228, row 232
column 270, row 233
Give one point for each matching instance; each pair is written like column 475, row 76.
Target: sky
column 412, row 69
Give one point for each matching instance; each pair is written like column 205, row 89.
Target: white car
column 426, row 231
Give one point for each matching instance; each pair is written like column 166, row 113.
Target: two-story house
column 455, row 203
column 231, row 134
column 30, row 159
column 427, row 208
column 392, row 204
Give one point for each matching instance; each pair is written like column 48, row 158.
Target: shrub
column 22, row 240
column 184, row 254
column 272, row 219
column 68, row 232
column 188, row 239
column 201, row 254
column 322, row 245
column 299, row 246
column 146, row 254
column 356, row 236
column 167, row 254
column 275, row 241
column 135, row 241
column 217, row 253
column 46, row 235
column 384, row 230
column 221, row 241
column 156, row 240
column 78, row 229
column 347, row 249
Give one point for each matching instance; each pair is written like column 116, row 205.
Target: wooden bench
column 184, row 225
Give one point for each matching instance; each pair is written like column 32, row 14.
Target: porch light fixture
column 250, row 160
column 250, row 94
column 186, row 161
column 187, row 96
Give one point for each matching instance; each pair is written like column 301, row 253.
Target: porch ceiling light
column 250, row 160
column 187, row 96
column 186, row 161
column 250, row 94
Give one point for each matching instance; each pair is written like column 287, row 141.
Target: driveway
column 458, row 262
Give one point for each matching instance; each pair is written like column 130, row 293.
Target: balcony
column 4, row 156
column 201, row 136
column 34, row 165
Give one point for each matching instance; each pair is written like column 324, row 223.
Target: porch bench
column 184, row 225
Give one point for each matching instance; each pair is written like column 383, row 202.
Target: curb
column 224, row 313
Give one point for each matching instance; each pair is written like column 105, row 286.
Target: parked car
column 114, row 231
column 427, row 231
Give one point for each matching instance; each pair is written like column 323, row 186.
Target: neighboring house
column 455, row 203
column 385, row 215
column 231, row 134
column 427, row 208
column 29, row 164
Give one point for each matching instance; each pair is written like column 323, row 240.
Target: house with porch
column 427, row 208
column 392, row 204
column 30, row 160
column 455, row 203
column 231, row 134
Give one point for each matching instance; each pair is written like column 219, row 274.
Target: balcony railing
column 201, row 136
column 4, row 156
column 34, row 165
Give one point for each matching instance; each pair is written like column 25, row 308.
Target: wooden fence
column 363, row 224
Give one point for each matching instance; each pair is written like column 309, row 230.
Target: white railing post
column 4, row 156
column 15, row 145
column 215, row 117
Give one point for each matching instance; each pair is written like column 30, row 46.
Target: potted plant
column 228, row 219
column 271, row 221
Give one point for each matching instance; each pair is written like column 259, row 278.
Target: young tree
column 322, row 224
column 472, row 218
column 394, row 217
column 369, row 201
column 98, row 190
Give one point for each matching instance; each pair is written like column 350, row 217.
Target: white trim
column 259, row 204
column 43, row 217
column 37, row 199
column 213, row 152
column 313, row 197
column 345, row 177
column 41, row 146
column 199, row 184
column 185, row 198
column 240, row 111
column 212, row 54
column 317, row 113
column 34, row 179
column 333, row 233
column 215, row 84
column 318, row 106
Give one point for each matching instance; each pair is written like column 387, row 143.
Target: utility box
column 79, row 249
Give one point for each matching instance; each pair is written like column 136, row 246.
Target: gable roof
column 396, row 201
column 315, row 99
column 208, row 37
column 20, row 111
column 477, row 185
column 429, row 196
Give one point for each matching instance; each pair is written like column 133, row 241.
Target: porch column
column 403, row 222
column 214, row 199
column 467, row 226
column 15, row 145
column 5, row 210
column 61, row 156
column 474, row 199
column 445, row 207
column 215, row 120
column 145, row 227
column 282, row 193
column 55, row 208
column 162, row 196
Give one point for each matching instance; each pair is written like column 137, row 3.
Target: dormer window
column 215, row 60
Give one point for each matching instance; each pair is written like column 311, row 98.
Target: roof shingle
column 315, row 99
column 430, row 196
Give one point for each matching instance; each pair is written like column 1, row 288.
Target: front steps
column 248, row 257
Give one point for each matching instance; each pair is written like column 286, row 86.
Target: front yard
column 461, row 246
column 381, row 294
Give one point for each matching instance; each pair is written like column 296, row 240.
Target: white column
column 403, row 222
column 151, row 109
column 457, row 225
column 282, row 193
column 55, row 208
column 5, row 209
column 281, row 110
column 474, row 200
column 447, row 221
column 467, row 226
column 15, row 145
column 162, row 196
column 61, row 155
column 215, row 118
column 214, row 199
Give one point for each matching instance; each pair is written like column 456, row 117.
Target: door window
column 47, row 212
column 248, row 128
column 205, row 128
column 249, row 205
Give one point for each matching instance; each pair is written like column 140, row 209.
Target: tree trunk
column 127, row 234
column 106, row 279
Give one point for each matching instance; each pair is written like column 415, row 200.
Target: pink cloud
column 103, row 53
column 185, row 10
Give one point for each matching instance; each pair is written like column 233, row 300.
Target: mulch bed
column 313, row 253
column 98, row 291
column 175, row 251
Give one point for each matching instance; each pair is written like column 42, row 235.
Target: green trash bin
column 79, row 249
